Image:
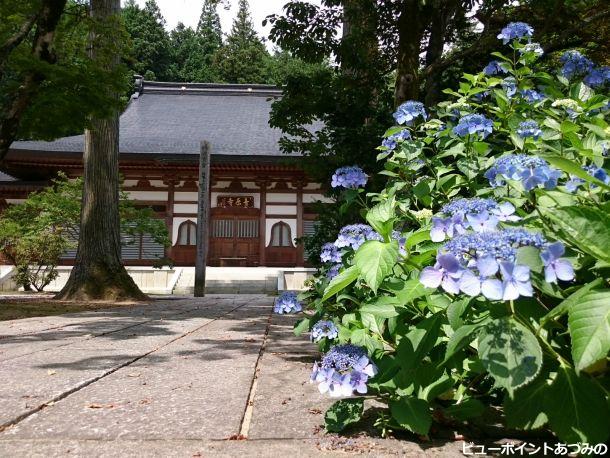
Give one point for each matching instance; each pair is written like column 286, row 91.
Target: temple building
column 260, row 199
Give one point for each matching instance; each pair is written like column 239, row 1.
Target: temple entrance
column 234, row 237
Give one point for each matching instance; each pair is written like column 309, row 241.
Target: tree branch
column 16, row 40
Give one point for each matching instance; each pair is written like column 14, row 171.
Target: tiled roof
column 4, row 177
column 173, row 118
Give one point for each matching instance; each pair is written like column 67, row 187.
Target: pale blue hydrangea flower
column 529, row 128
column 473, row 124
column 354, row 235
column 324, row 329
column 596, row 172
column 409, row 111
column 330, row 253
column 575, row 64
column 343, row 370
column 510, row 86
column 598, row 77
column 532, row 96
column 484, row 263
column 532, row 171
column 350, row 177
column 494, row 68
column 393, row 140
column 515, row 31
column 554, row 267
column 287, row 302
column 333, row 271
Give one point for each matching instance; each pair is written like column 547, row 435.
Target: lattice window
column 222, row 228
column 247, row 228
column 187, row 233
column 280, row 235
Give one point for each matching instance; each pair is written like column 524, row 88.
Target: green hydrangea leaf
column 343, row 413
column 510, row 352
column 375, row 261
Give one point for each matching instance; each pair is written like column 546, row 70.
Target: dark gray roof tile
column 173, row 118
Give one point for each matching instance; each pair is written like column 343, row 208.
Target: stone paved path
column 219, row 376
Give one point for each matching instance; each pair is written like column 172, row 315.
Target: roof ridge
column 168, row 87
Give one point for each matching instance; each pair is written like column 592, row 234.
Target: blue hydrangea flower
column 529, row 129
column 484, row 263
column 350, row 177
column 555, row 267
column 287, row 302
column 598, row 77
column 575, row 64
column 343, row 370
column 596, row 172
column 510, row 86
column 330, row 253
column 480, row 215
column 402, row 242
column 324, row 329
column 532, row 171
column 480, row 96
column 354, row 235
column 473, row 124
column 446, row 273
column 392, row 141
column 494, row 68
column 333, row 271
column 409, row 111
column 515, row 31
column 531, row 96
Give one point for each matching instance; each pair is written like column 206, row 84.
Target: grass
column 15, row 309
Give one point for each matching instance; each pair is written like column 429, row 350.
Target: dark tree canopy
column 150, row 41
column 244, row 58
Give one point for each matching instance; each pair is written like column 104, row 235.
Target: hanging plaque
column 235, row 201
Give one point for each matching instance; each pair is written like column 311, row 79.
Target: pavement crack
column 249, row 409
column 14, row 421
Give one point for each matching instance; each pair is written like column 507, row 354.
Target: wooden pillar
column 169, row 214
column 203, row 213
column 262, row 223
column 300, row 251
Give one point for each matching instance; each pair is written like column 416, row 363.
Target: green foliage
column 541, row 359
column 72, row 87
column 36, row 233
column 343, row 413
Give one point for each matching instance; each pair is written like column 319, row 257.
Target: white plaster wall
column 281, row 197
column 257, row 197
column 185, row 208
column 249, row 185
column 15, row 201
column 157, row 183
column 128, row 183
column 310, row 198
column 147, row 195
column 311, row 186
column 222, row 184
column 281, row 209
column 186, row 196
column 177, row 223
column 269, row 222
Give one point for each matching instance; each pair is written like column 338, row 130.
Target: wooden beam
column 203, row 212
column 262, row 223
column 300, row 250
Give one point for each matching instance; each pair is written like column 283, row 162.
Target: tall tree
column 244, row 58
column 151, row 44
column 209, row 28
column 98, row 272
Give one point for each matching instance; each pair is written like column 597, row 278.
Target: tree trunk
column 45, row 23
column 411, row 26
column 442, row 12
column 98, row 272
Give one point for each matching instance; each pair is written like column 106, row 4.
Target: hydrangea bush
column 479, row 280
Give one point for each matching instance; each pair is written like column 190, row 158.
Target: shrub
column 481, row 280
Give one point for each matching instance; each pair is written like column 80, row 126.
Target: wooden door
column 234, row 237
